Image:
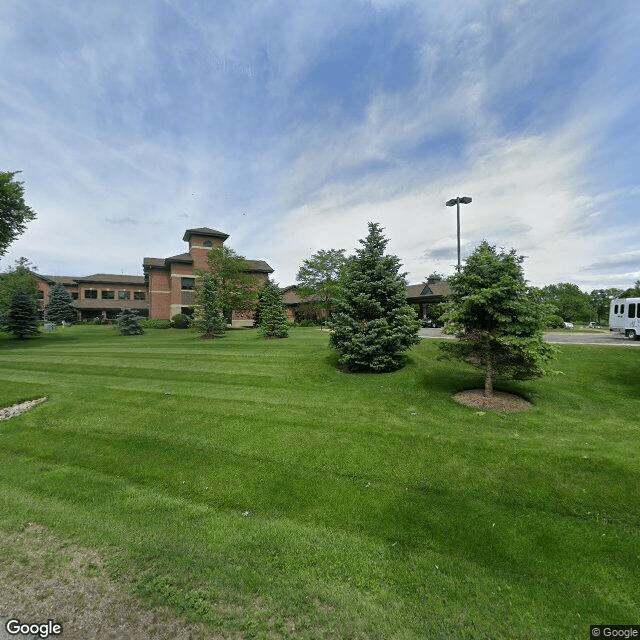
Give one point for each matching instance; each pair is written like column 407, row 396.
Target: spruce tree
column 209, row 320
column 372, row 323
column 22, row 319
column 59, row 308
column 273, row 318
column 497, row 319
column 128, row 323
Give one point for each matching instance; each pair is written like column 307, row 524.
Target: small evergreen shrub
column 60, row 309
column 273, row 318
column 128, row 323
column 208, row 319
column 22, row 319
column 180, row 321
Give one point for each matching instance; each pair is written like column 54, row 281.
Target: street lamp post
column 457, row 201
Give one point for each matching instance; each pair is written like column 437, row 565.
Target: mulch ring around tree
column 500, row 401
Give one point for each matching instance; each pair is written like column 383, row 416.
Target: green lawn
column 252, row 485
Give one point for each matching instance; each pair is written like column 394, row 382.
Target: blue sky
column 290, row 125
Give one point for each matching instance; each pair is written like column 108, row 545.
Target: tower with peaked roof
column 171, row 280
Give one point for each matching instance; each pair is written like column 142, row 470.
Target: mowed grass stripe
column 375, row 506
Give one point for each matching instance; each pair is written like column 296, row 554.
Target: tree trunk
column 488, row 379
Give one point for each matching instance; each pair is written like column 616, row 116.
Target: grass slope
column 251, row 485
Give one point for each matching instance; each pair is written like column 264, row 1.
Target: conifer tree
column 22, row 319
column 273, row 318
column 496, row 317
column 209, row 321
column 59, row 308
column 372, row 323
column 128, row 323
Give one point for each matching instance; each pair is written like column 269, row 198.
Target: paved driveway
column 562, row 337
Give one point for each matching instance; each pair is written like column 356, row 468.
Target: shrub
column 155, row 323
column 180, row 321
column 273, row 319
column 22, row 319
column 554, row 322
column 129, row 323
column 60, row 308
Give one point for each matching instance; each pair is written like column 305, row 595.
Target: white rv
column 624, row 317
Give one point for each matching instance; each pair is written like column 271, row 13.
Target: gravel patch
column 16, row 409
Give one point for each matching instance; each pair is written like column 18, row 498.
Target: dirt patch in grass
column 500, row 401
column 43, row 578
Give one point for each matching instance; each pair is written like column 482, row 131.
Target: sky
column 291, row 125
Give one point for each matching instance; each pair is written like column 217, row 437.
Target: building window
column 74, row 295
column 207, row 243
column 187, row 284
column 40, row 295
column 108, row 295
column 138, row 295
column 90, row 294
column 124, row 295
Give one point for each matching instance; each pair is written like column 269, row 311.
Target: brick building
column 170, row 281
column 165, row 289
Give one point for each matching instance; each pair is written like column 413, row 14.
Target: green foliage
column 273, row 319
column 320, row 275
column 498, row 322
column 155, row 323
column 22, row 317
column 208, row 319
column 59, row 308
column 14, row 213
column 19, row 277
column 554, row 322
column 129, row 323
column 569, row 301
column 372, row 323
column 631, row 292
column 236, row 288
column 180, row 321
column 435, row 278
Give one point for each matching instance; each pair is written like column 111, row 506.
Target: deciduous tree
column 319, row 276
column 14, row 213
column 498, row 323
column 236, row 287
column 372, row 323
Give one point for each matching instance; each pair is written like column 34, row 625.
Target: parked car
column 595, row 325
column 568, row 325
column 428, row 323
